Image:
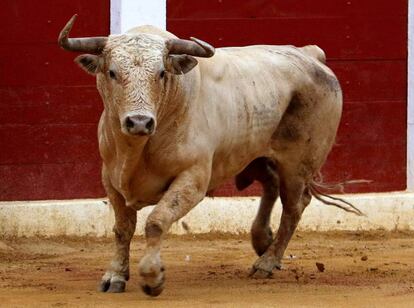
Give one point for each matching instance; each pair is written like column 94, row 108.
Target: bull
column 180, row 118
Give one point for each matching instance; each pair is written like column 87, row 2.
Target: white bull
column 172, row 131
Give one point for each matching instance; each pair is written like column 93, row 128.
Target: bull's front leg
column 114, row 280
column 187, row 190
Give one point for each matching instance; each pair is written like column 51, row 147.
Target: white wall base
column 389, row 211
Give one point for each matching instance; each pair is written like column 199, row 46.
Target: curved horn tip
column 206, row 46
column 72, row 19
column 90, row 44
column 63, row 35
column 70, row 23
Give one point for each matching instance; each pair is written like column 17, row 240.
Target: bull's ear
column 180, row 64
column 89, row 63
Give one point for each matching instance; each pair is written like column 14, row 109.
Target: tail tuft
column 315, row 188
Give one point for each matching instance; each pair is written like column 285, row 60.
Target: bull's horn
column 84, row 44
column 195, row 47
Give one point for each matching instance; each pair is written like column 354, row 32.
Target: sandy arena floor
column 361, row 269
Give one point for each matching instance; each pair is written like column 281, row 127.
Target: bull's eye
column 112, row 74
column 162, row 74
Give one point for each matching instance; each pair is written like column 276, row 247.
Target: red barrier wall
column 49, row 108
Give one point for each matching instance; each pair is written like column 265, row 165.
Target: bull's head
column 133, row 70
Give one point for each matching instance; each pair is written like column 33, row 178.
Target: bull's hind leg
column 295, row 197
column 114, row 280
column 300, row 144
column 263, row 170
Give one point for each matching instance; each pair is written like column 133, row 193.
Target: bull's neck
column 175, row 107
column 121, row 154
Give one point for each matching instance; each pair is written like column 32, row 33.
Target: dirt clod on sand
column 320, row 267
column 65, row 272
column 364, row 258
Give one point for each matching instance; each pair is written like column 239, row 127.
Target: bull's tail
column 315, row 187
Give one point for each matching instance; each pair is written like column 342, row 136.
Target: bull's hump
column 149, row 29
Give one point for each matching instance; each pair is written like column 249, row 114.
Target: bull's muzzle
column 141, row 125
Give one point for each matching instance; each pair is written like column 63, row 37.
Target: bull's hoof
column 104, row 285
column 264, row 266
column 153, row 291
column 112, row 287
column 258, row 273
column 117, row 287
column 111, row 283
column 151, row 286
column 152, row 274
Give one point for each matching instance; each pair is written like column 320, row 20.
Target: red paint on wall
column 49, row 108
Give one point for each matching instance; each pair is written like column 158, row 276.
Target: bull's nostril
column 139, row 124
column 150, row 125
column 129, row 123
